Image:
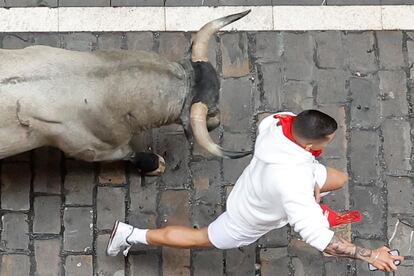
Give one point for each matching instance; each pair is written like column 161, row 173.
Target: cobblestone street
column 57, row 213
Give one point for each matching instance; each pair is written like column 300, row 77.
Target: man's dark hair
column 314, row 125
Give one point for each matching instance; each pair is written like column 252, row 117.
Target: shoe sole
column 114, row 228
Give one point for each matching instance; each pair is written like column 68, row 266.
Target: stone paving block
column 233, row 168
column 269, row 47
column 176, row 261
column 107, row 265
column 29, row 3
column 297, row 267
column 353, row 2
column 207, row 262
column 338, row 147
column 207, row 197
column 297, row 96
column 78, row 234
column 397, row 2
column 47, row 171
column 14, row 265
column 390, row 49
column 15, row 186
column 147, row 264
column 110, row 41
column 400, row 234
column 360, row 51
column 173, row 46
column 299, row 52
column 47, row 39
column 15, row 231
column 400, row 194
column 235, row 55
column 47, row 257
column 143, row 41
column 275, row 238
column 329, row 49
column 308, row 261
column 371, row 201
column 174, row 208
column 272, row 86
column 79, row 265
column 110, row 206
column 137, row 3
column 112, row 173
column 296, row 2
column 364, row 156
column 79, row 41
column 174, row 148
column 143, row 201
column 235, row 104
column 142, row 211
column 393, row 93
column 17, row 41
column 79, row 182
column 184, row 3
column 245, row 2
column 84, row 3
column 410, row 52
column 46, row 214
column 364, row 106
column 397, row 155
column 331, row 86
column 241, row 261
column 404, row 270
column 337, row 266
column 274, row 259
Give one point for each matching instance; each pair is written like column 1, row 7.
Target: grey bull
column 91, row 104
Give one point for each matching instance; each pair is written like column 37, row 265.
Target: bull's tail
column 200, row 43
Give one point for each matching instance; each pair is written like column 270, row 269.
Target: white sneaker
column 119, row 239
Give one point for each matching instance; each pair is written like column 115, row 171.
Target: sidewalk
column 57, row 212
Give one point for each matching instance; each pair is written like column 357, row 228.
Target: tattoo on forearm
column 341, row 247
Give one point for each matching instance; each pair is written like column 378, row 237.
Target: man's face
column 322, row 144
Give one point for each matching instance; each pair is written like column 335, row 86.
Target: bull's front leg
column 147, row 163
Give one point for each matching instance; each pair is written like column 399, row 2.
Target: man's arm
column 380, row 258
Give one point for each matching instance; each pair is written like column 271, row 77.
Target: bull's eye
column 213, row 121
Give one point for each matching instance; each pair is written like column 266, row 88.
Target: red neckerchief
column 286, row 122
column 333, row 217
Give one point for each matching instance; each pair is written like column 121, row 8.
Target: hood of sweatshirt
column 272, row 146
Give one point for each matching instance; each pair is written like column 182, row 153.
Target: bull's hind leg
column 15, row 140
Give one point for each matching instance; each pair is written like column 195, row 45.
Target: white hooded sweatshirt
column 277, row 188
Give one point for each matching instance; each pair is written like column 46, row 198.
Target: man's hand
column 317, row 193
column 383, row 260
column 380, row 258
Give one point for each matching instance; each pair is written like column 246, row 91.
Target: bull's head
column 204, row 111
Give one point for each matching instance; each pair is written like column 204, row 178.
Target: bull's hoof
column 149, row 164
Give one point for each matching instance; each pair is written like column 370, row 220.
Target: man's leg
column 124, row 236
column 179, row 237
column 335, row 180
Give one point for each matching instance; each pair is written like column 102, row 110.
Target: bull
column 90, row 105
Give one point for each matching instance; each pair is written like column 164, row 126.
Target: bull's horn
column 198, row 125
column 200, row 42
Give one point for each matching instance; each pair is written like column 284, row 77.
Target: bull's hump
column 43, row 62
